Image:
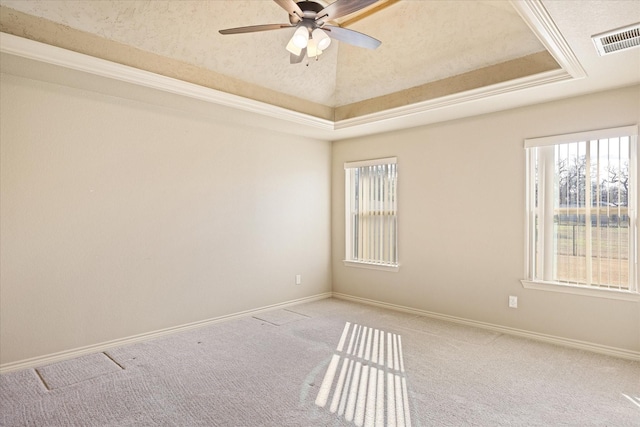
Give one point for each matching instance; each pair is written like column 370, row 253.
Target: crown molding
column 53, row 55
column 531, row 11
column 458, row 98
column 540, row 22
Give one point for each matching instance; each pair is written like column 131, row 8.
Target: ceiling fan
column 312, row 34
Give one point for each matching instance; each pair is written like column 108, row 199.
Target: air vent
column 617, row 40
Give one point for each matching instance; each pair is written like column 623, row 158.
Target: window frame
column 530, row 281
column 349, row 262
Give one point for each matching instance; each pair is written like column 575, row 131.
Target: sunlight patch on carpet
column 633, row 399
column 68, row 372
column 280, row 317
column 365, row 381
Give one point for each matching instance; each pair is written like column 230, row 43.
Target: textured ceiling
column 431, row 49
column 422, row 42
column 425, row 41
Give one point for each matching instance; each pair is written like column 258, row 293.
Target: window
column 371, row 213
column 581, row 209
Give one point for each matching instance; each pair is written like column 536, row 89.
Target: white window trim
column 362, row 264
column 591, row 291
column 372, row 266
column 372, row 162
column 581, row 136
column 601, row 292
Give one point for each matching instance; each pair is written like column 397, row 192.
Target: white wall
column 120, row 218
column 461, row 221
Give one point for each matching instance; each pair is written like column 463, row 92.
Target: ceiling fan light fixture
column 321, row 38
column 312, row 49
column 291, row 47
column 300, row 37
column 311, row 36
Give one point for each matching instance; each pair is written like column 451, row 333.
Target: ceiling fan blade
column 292, row 9
column 296, row 59
column 341, row 8
column 254, row 28
column 351, row 37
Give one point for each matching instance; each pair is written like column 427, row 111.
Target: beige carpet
column 328, row 363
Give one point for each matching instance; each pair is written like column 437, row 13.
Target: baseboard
column 70, row 354
column 582, row 345
column 80, row 351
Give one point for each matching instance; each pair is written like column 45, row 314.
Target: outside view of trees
column 591, row 217
column 609, row 182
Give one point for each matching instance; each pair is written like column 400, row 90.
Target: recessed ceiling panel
column 426, row 41
column 423, row 41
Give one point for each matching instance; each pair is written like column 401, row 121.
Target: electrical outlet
column 298, row 279
column 513, row 301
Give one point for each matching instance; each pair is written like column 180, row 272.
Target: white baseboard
column 69, row 354
column 582, row 345
column 94, row 348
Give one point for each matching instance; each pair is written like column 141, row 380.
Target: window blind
column 583, row 201
column 372, row 211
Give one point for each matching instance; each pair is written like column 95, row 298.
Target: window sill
column 581, row 290
column 372, row 266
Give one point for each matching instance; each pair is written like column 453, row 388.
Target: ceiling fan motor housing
column 309, row 8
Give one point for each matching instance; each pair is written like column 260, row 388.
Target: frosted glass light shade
column 291, row 47
column 322, row 39
column 300, row 37
column 312, row 49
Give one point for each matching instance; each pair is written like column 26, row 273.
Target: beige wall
column 461, row 221
column 120, row 218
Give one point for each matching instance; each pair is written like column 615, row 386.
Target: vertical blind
column 372, row 226
column 583, row 223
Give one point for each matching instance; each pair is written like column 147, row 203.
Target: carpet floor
column 328, row 363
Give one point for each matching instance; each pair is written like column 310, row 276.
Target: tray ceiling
column 478, row 55
column 423, row 42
